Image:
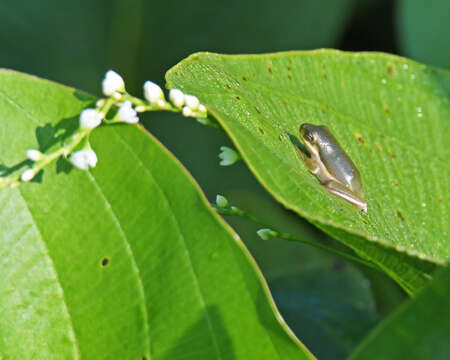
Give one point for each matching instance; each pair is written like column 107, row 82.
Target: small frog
column 331, row 165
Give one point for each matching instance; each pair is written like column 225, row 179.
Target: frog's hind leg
column 343, row 192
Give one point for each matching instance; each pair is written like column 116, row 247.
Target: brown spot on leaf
column 379, row 148
column 387, row 111
column 261, row 130
column 392, row 155
column 257, row 110
column 244, row 78
column 285, row 102
column 269, row 67
column 390, row 70
column 289, row 68
column 280, row 137
column 325, row 76
column 400, row 215
column 228, row 86
column 289, row 76
column 237, row 97
column 360, row 138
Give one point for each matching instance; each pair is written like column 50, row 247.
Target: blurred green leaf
column 387, row 112
column 126, row 261
column 423, row 30
column 419, row 330
column 333, row 299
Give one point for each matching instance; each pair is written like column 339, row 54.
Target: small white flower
column 177, row 97
column 27, row 175
column 187, row 111
column 221, row 201
column 202, row 108
column 34, row 155
column 228, row 156
column 191, row 101
column 112, row 83
column 84, row 159
column 266, row 234
column 127, row 114
column 152, row 92
column 90, row 118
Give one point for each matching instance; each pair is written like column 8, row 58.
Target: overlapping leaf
column 419, row 330
column 389, row 114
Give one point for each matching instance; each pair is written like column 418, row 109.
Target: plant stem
column 234, row 211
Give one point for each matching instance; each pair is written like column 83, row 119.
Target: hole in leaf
column 105, row 261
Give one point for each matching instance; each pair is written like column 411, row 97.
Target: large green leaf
column 126, row 261
column 388, row 113
column 419, row 330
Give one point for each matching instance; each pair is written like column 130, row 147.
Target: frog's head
column 308, row 134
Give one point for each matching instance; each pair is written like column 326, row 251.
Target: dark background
column 329, row 303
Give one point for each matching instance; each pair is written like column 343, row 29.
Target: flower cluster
column 118, row 107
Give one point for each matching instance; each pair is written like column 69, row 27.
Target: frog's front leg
column 345, row 193
column 311, row 163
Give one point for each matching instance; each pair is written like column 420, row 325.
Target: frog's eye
column 309, row 137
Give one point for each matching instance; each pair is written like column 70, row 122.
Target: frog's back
column 338, row 162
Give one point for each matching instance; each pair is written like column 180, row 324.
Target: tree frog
column 331, row 165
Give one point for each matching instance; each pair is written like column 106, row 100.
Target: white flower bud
column 191, row 101
column 34, row 155
column 177, row 97
column 112, row 83
column 228, row 156
column 84, row 159
column 127, row 114
column 187, row 111
column 221, row 201
column 90, row 118
column 266, row 234
column 99, row 103
column 202, row 108
column 27, row 175
column 152, row 92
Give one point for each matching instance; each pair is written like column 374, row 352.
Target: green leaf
column 126, row 261
column 419, row 330
column 388, row 113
